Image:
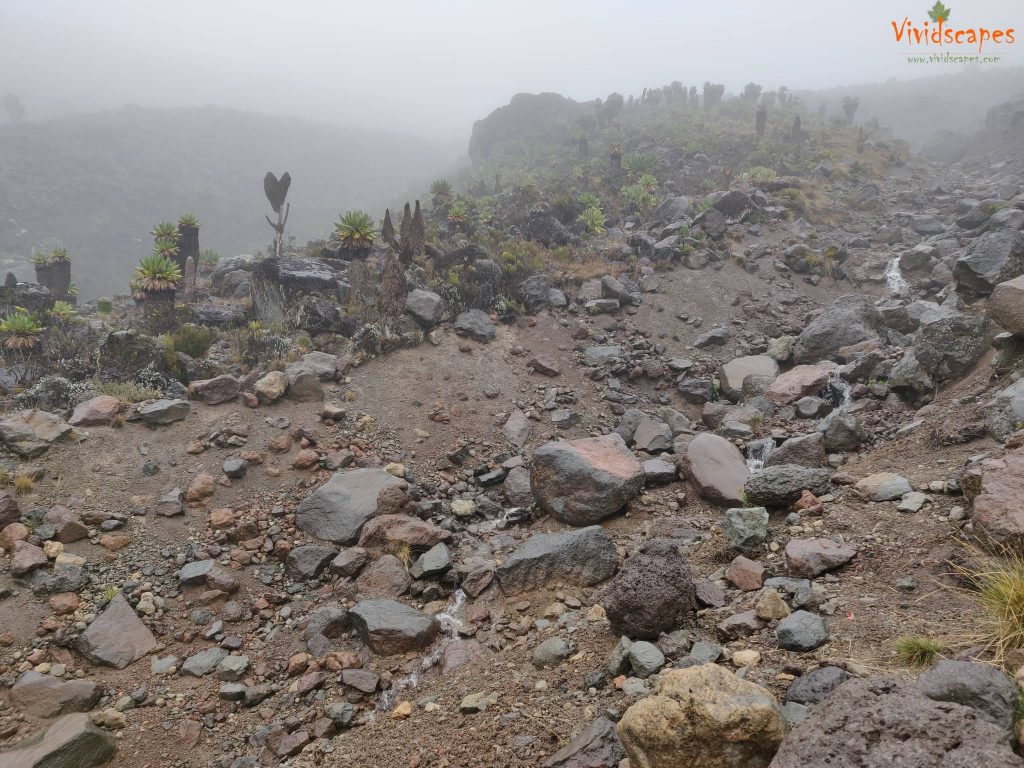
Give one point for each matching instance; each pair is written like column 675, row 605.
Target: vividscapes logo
column 940, row 32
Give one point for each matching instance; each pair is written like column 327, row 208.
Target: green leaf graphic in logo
column 939, row 13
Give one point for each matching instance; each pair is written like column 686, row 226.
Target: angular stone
column 389, row 627
column 160, row 412
column 97, row 411
column 1006, row 306
column 882, row 486
column 271, row 387
column 220, row 389
column 596, row 745
column 848, row 320
column 30, row 433
column 117, row 637
column 581, row 482
column 433, row 562
column 517, row 429
column 805, row 451
column 997, row 507
column 203, row 663
column 476, row 324
column 716, row 468
column 732, row 374
column 583, row 557
column 745, row 574
column 338, row 509
column 783, row 484
column 396, row 530
column 47, row 696
column 799, row 381
column 309, row 561
column 809, row 558
column 816, row 685
column 982, row 687
column 26, row 557
column 802, row 631
column 72, row 741
column 745, row 527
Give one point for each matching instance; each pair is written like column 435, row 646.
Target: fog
column 433, row 68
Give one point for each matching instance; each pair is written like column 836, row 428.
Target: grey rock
column 745, row 527
column 476, row 324
column 309, row 561
column 116, row 637
column 388, row 627
column 161, row 412
column 982, row 687
column 596, row 746
column 805, row 451
column 842, row 432
column 848, row 320
column 991, row 259
column 645, row 658
column 195, row 573
column 203, row 663
column 338, row 509
column 72, row 741
column 816, row 685
column 781, row 485
column 426, row 307
column 802, row 631
column 47, row 696
column 585, row 557
column 952, row 346
column 551, row 652
column 433, row 562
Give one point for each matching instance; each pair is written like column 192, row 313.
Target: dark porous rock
column 596, row 746
column 783, row 484
column 534, row 293
column 848, row 320
column 816, row 685
column 389, row 627
column 652, row 593
column 884, row 722
column 583, row 557
column 116, row 637
column 581, row 482
column 982, row 687
column 476, row 324
column 338, row 509
column 71, row 741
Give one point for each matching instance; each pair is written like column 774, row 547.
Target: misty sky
column 434, row 67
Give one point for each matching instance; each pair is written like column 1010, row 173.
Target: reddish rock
column 809, row 558
column 545, row 365
column 96, row 412
column 222, row 518
column 386, row 577
column 998, row 511
column 798, row 382
column 279, row 444
column 808, row 503
column 25, row 558
column 307, row 458
column 64, row 603
column 12, row 533
column 201, row 488
column 112, row 542
column 745, row 574
column 385, row 530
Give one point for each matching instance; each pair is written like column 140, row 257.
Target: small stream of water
column 450, row 620
column 895, row 283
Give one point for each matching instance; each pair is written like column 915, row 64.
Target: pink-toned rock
column 386, row 577
column 385, row 530
column 307, row 458
column 221, row 519
column 998, row 510
column 809, row 558
column 716, row 468
column 201, row 488
column 26, row 557
column 12, row 533
column 64, row 603
column 745, row 574
column 808, row 503
column 798, row 382
column 98, row 411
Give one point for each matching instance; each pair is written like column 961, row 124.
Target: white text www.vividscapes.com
column 953, row 58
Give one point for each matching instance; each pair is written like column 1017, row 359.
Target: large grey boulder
column 848, row 320
column 1005, row 412
column 389, row 627
column 581, row 482
column 116, row 637
column 72, row 741
column 1006, row 306
column 160, row 412
column 31, row 432
column 653, row 593
column 476, row 324
column 48, row 696
column 426, row 307
column 982, row 687
column 583, row 557
column 883, row 722
column 716, row 468
column 950, row 347
column 991, row 259
column 781, row 485
column 337, row 510
column 805, row 451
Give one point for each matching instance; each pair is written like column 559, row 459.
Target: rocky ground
column 728, row 485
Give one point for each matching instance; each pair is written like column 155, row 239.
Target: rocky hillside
column 96, row 183
column 701, row 448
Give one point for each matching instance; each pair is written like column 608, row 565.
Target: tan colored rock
column 770, row 606
column 387, row 530
column 12, row 533
column 307, row 458
column 702, row 716
column 271, row 387
column 1006, row 305
column 200, row 489
column 732, row 374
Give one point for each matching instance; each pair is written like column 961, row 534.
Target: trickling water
column 451, row 622
column 895, row 284
column 757, row 454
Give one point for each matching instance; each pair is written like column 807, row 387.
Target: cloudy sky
column 434, row 67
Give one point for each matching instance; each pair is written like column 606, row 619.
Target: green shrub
column 104, row 306
column 193, row 340
column 126, row 391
